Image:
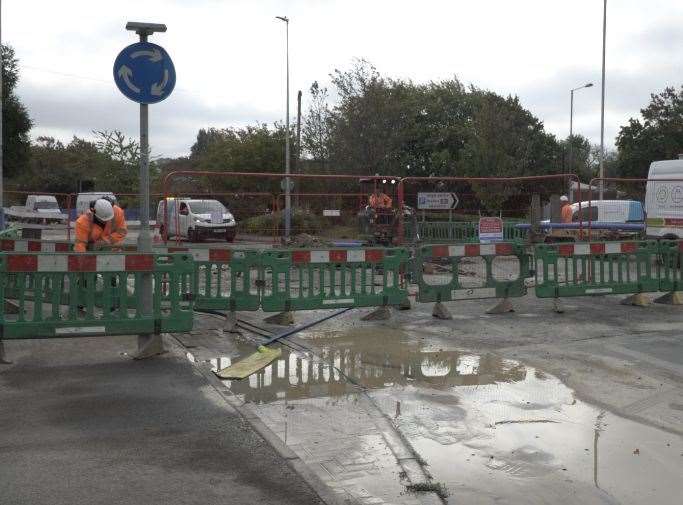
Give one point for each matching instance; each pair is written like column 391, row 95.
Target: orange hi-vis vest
column 88, row 233
column 379, row 201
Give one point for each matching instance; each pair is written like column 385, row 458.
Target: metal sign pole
column 2, row 172
column 148, row 344
column 288, row 198
column 144, row 73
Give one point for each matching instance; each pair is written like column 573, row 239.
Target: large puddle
column 491, row 429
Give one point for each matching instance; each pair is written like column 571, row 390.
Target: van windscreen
column 206, row 207
column 46, row 205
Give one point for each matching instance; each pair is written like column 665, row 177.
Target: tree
column 363, row 123
column 580, row 161
column 315, row 133
column 250, row 149
column 16, row 123
column 123, row 159
column 205, row 139
column 659, row 136
column 506, row 140
column 111, row 161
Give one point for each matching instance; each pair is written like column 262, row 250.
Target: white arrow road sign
column 437, row 201
column 154, row 55
column 125, row 73
column 158, row 89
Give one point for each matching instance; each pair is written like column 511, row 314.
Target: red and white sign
column 490, row 229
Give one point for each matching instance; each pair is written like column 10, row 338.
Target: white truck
column 664, row 200
column 39, row 209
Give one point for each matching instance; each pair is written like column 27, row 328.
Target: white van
column 664, row 200
column 609, row 211
column 83, row 200
column 43, row 204
column 195, row 219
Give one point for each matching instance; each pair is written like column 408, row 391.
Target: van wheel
column 230, row 236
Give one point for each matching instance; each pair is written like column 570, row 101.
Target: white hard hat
column 103, row 210
column 564, row 198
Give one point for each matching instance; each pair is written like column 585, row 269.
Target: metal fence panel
column 435, row 232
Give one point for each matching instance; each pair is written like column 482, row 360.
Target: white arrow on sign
column 154, row 55
column 126, row 73
column 437, row 201
column 158, row 89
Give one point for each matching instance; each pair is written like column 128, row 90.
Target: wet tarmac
column 489, row 428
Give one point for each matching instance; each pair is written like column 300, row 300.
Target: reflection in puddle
column 491, row 429
column 298, row 375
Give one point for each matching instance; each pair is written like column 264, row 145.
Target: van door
column 172, row 218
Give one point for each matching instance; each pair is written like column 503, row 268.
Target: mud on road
column 530, row 407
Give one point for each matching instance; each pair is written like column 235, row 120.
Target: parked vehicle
column 609, row 211
column 83, row 200
column 664, row 200
column 609, row 220
column 39, row 209
column 195, row 219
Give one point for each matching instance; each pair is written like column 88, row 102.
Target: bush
column 303, row 221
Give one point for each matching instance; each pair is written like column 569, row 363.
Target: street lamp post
column 2, row 173
column 571, row 122
column 602, row 103
column 288, row 214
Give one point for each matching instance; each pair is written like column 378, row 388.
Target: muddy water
column 491, row 429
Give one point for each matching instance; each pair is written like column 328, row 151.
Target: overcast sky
column 229, row 57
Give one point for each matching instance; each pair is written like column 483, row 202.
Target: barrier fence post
column 671, row 272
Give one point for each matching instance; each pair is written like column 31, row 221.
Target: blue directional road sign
column 144, row 72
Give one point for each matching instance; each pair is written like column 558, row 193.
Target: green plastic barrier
column 435, row 232
column 500, row 272
column 64, row 295
column 321, row 279
column 671, row 270
column 227, row 279
column 596, row 268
